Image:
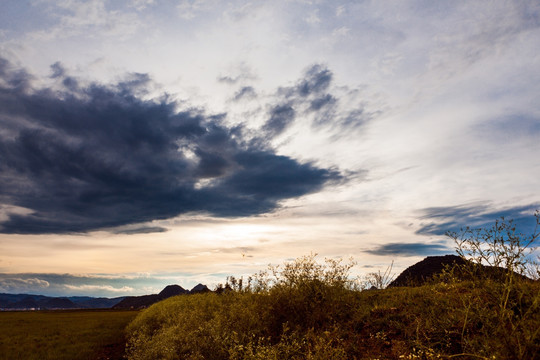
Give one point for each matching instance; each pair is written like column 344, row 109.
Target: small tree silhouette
column 500, row 245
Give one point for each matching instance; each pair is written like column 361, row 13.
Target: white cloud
column 22, row 285
column 98, row 288
column 90, row 19
column 142, row 4
column 438, row 78
column 313, row 17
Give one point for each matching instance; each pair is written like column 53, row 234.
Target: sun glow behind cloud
column 368, row 115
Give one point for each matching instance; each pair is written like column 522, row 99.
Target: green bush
column 308, row 310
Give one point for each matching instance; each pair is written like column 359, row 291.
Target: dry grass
column 73, row 334
column 311, row 312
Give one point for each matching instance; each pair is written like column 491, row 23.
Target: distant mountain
column 41, row 302
column 26, row 303
column 97, row 303
column 138, row 302
column 173, row 290
column 58, row 303
column 199, row 288
column 144, row 301
column 424, row 271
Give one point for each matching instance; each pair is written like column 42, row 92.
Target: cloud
column 19, row 284
column 239, row 73
column 281, row 117
column 94, row 19
column 71, row 284
column 321, row 102
column 317, row 80
column 58, row 70
column 410, row 249
column 109, row 285
column 141, row 230
column 246, row 92
column 98, row 288
column 440, row 220
column 92, row 156
column 335, row 109
column 512, row 127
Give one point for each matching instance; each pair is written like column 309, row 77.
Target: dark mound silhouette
column 138, row 302
column 172, row 290
column 144, row 301
column 199, row 288
column 424, row 271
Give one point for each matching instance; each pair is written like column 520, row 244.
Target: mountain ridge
column 13, row 302
column 43, row 302
column 144, row 301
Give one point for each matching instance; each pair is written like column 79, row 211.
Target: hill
column 144, row 301
column 308, row 311
column 424, row 271
column 42, row 302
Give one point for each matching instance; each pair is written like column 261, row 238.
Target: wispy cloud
column 440, row 220
column 109, row 285
column 15, row 284
column 410, row 249
column 82, row 289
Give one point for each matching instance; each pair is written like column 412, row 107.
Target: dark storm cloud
column 95, row 156
column 57, row 70
column 410, row 249
column 141, row 230
column 440, row 220
column 281, row 117
column 321, row 102
column 313, row 96
column 317, row 79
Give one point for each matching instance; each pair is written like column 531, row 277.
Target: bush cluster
column 308, row 310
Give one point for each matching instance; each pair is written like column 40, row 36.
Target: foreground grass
column 310, row 312
column 73, row 334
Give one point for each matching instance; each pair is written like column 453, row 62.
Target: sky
column 153, row 142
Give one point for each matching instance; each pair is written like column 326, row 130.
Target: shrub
column 308, row 310
column 498, row 257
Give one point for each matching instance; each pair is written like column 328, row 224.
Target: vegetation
column 308, row 310
column 71, row 334
column 481, row 307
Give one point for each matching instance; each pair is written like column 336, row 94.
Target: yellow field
column 70, row 334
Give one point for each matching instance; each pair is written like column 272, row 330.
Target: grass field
column 73, row 334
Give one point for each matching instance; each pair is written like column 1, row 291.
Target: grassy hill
column 311, row 311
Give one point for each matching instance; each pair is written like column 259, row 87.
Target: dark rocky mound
column 199, row 288
column 138, row 302
column 144, row 301
column 423, row 271
column 172, row 290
